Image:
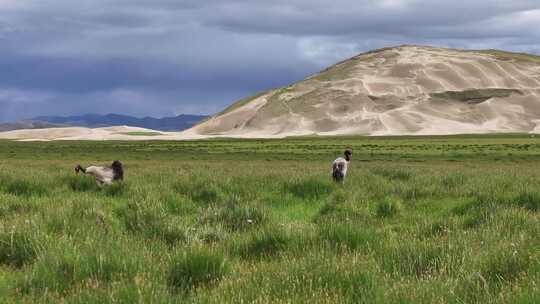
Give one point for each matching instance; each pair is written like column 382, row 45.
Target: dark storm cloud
column 161, row 57
column 346, row 17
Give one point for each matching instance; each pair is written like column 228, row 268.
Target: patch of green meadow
column 259, row 221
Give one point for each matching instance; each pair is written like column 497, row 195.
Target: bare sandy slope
column 396, row 91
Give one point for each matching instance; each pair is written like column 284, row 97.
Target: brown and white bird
column 104, row 175
column 340, row 165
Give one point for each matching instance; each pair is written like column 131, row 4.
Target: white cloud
column 324, row 51
column 393, row 4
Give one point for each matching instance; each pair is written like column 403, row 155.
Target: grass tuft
column 529, row 201
column 17, row 248
column 151, row 223
column 115, row 190
column 340, row 207
column 235, row 216
column 25, row 188
column 81, row 183
column 496, row 271
column 347, row 236
column 409, row 259
column 264, row 244
column 389, row 208
column 200, row 191
column 310, row 188
column 505, row 265
column 195, row 269
column 65, row 266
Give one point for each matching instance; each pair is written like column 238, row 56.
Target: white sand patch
column 77, row 133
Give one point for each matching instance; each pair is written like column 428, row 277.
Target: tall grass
column 348, row 236
column 223, row 221
column 194, row 269
column 25, row 188
column 309, row 189
column 150, row 222
column 264, row 244
column 18, row 248
column 235, row 216
column 67, row 265
column 389, row 208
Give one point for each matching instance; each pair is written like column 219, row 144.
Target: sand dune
column 79, row 133
column 405, row 90
column 397, row 91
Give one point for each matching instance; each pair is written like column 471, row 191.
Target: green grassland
column 450, row 219
column 143, row 133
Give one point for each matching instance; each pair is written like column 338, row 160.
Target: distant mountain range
column 27, row 124
column 177, row 123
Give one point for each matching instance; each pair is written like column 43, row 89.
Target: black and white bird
column 340, row 165
column 104, row 175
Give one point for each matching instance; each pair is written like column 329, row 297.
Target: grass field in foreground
column 419, row 220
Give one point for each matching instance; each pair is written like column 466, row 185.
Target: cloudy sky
column 166, row 57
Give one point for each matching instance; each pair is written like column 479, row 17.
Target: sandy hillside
column 394, row 91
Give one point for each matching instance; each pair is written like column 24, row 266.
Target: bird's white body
column 103, row 175
column 341, row 164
